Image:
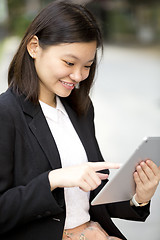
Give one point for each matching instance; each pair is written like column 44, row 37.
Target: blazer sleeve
column 20, row 204
column 125, row 211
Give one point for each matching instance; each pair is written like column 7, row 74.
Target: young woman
column 50, row 160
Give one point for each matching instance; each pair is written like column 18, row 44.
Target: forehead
column 80, row 51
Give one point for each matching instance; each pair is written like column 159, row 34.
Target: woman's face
column 61, row 67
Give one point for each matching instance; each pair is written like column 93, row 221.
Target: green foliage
column 121, row 22
column 19, row 25
column 18, row 20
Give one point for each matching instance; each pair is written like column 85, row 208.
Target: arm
column 125, row 211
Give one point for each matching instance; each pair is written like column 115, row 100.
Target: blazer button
column 56, row 219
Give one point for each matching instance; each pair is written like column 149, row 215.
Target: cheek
column 42, row 68
column 61, row 73
column 47, row 69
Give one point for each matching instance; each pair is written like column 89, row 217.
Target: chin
column 63, row 95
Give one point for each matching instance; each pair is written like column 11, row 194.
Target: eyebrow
column 72, row 56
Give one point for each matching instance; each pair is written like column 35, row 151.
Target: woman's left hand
column 147, row 177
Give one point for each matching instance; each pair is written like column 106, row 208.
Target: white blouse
column 71, row 153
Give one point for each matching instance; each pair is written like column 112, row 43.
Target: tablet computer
column 122, row 186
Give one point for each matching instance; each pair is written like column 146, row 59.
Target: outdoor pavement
column 126, row 97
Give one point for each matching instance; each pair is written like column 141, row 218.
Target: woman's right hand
column 84, row 176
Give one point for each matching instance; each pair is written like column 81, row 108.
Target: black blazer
column 28, row 209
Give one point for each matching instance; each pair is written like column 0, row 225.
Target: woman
column 50, row 160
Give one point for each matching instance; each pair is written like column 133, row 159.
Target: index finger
column 97, row 166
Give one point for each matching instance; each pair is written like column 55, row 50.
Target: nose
column 77, row 75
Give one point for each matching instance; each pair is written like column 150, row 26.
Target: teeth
column 68, row 84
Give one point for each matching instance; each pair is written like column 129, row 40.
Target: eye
column 88, row 67
column 69, row 63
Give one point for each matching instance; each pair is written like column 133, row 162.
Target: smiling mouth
column 68, row 84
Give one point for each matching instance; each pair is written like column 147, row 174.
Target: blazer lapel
column 39, row 127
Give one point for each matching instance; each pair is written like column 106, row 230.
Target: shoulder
column 7, row 98
column 8, row 104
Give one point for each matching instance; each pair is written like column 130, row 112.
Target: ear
column 33, row 46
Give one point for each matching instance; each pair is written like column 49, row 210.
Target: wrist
column 52, row 180
column 134, row 202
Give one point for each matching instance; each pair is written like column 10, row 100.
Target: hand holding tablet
column 147, row 176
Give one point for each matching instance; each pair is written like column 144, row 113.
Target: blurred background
column 126, row 93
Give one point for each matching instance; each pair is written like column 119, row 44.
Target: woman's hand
column 84, row 176
column 147, row 177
